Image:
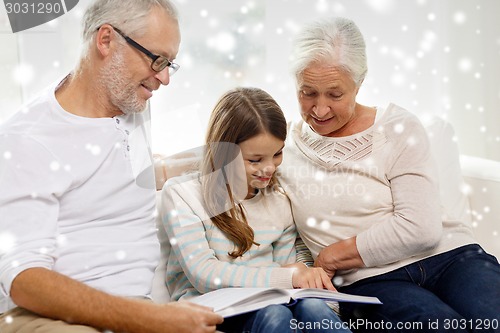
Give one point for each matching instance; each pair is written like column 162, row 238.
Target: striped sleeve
column 186, row 224
column 284, row 248
column 303, row 253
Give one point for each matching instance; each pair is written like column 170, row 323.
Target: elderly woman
column 364, row 193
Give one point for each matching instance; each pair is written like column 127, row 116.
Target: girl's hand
column 310, row 277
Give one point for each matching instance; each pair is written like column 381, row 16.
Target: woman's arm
column 415, row 225
column 303, row 275
column 339, row 255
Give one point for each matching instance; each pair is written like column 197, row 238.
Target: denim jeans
column 456, row 291
column 314, row 316
column 306, row 315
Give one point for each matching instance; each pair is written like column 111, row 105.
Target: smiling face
column 129, row 79
column 262, row 154
column 327, row 98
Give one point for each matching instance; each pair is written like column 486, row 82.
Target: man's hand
column 310, row 277
column 52, row 295
column 185, row 317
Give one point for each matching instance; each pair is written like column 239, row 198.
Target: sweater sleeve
column 183, row 218
column 415, row 225
column 303, row 253
column 284, row 249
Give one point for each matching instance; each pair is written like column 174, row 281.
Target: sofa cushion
column 483, row 179
column 452, row 188
column 159, row 291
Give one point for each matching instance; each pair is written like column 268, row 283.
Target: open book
column 233, row 301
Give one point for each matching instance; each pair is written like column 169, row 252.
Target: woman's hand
column 326, row 261
column 340, row 255
column 310, row 277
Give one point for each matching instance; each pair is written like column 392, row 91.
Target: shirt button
column 117, row 120
column 128, row 148
column 127, row 132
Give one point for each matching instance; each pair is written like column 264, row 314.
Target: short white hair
column 130, row 16
column 333, row 41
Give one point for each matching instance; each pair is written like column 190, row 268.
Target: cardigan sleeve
column 415, row 225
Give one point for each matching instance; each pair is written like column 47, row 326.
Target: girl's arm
column 185, row 221
column 285, row 253
column 284, row 249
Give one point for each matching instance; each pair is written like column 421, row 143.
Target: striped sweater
column 199, row 262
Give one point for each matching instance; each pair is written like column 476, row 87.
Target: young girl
column 230, row 225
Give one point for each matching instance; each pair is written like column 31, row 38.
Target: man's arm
column 53, row 295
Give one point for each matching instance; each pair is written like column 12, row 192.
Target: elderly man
column 77, row 187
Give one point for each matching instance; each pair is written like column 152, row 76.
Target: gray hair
column 127, row 15
column 333, row 41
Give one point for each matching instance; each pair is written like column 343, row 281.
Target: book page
column 233, row 301
column 255, row 304
column 226, row 297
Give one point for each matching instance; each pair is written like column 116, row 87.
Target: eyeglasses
column 158, row 62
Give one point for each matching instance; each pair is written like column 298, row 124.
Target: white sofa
column 470, row 186
column 470, row 190
column 482, row 178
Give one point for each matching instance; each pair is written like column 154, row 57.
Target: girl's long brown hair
column 239, row 115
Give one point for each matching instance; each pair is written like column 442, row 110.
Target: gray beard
column 122, row 93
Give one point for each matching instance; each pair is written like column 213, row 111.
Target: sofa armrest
column 482, row 177
column 175, row 165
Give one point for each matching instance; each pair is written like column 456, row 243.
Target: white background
column 433, row 57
